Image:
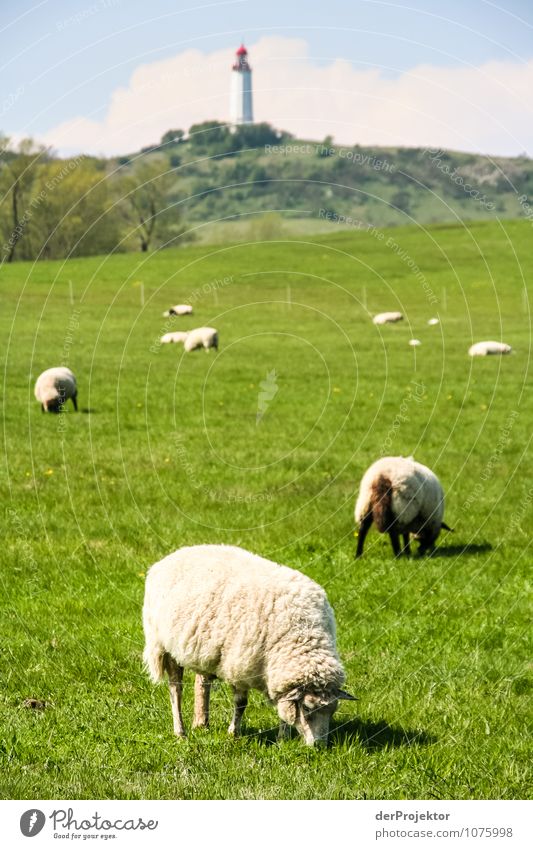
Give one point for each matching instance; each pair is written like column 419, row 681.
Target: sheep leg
column 202, row 692
column 75, row 401
column 406, row 546
column 284, row 730
column 363, row 530
column 395, row 541
column 240, row 700
column 175, row 683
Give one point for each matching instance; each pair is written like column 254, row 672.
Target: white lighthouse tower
column 241, row 89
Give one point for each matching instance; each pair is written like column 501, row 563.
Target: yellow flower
column 49, row 472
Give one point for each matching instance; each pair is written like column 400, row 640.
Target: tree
column 255, row 135
column 76, row 217
column 172, row 137
column 210, row 137
column 142, row 191
column 18, row 172
column 401, row 200
column 326, row 148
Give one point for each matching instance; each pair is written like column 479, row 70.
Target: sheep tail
column 154, row 659
column 381, row 500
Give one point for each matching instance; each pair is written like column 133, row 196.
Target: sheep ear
column 342, row 694
column 293, row 695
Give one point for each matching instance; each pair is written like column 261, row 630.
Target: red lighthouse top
column 241, row 64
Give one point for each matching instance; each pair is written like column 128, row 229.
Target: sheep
column 387, row 317
column 175, row 336
column 54, row 387
column 178, row 309
column 433, row 321
column 414, row 343
column 482, row 349
column 402, row 497
column 230, row 614
column 201, row 337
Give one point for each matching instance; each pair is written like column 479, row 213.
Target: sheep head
column 310, row 711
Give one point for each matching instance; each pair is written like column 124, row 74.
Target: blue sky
column 67, row 60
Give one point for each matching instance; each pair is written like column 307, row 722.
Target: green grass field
column 167, row 451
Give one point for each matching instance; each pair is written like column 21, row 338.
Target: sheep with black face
column 54, row 387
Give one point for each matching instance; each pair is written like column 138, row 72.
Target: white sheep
column 54, row 387
column 175, row 336
column 201, row 337
column 387, row 317
column 482, row 349
column 178, row 309
column 402, row 497
column 414, row 343
column 230, row 614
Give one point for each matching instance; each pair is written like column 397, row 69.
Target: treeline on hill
column 158, row 197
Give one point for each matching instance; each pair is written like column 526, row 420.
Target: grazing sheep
column 175, row 336
column 433, row 321
column 482, row 349
column 402, row 497
column 201, row 337
column 54, row 387
column 414, row 343
column 387, row 317
column 230, row 614
column 178, row 309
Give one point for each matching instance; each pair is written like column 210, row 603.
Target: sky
column 111, row 76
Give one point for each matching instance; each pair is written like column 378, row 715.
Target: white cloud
column 485, row 109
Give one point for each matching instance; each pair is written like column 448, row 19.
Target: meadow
column 168, row 450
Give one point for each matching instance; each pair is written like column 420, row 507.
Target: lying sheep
column 402, row 497
column 387, row 317
column 54, row 387
column 201, row 337
column 482, row 349
column 178, row 309
column 229, row 614
column 175, row 336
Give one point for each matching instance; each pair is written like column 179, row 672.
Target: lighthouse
column 241, row 89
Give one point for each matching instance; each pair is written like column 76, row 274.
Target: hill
column 256, row 183
column 223, row 176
